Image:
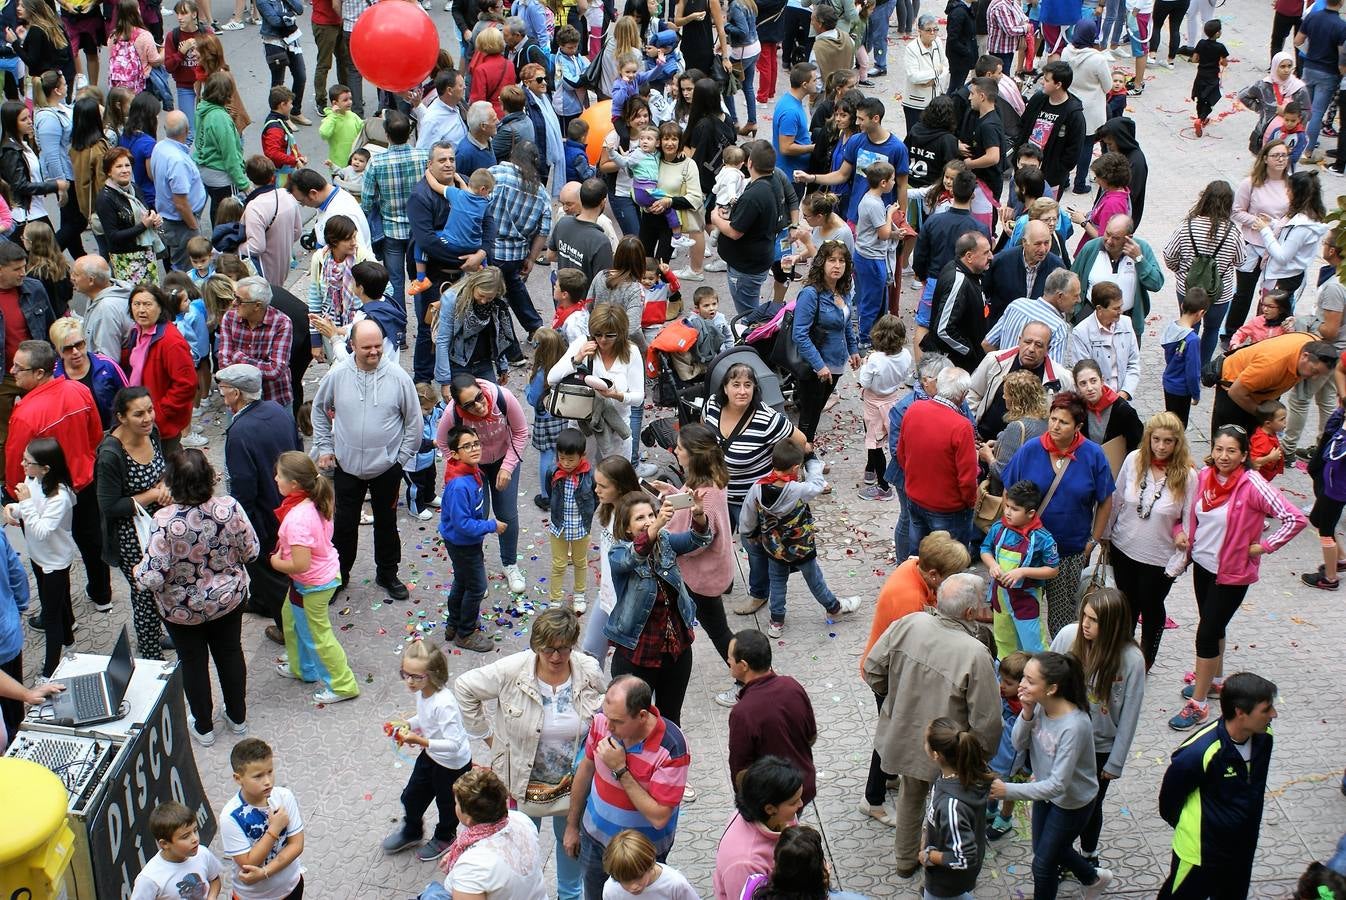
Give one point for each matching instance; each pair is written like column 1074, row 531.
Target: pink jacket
column 708, row 570
column 1253, row 502
column 503, row 433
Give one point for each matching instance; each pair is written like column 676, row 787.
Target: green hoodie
column 217, row 144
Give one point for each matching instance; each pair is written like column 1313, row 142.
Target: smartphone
column 680, row 501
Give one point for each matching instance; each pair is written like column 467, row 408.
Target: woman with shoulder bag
column 608, row 354
column 825, row 331
column 474, row 329
column 546, row 698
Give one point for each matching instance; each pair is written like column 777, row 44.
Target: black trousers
column 1094, row 827
column 1174, row 11
column 268, row 589
column 1146, row 588
column 431, row 781
column 58, row 618
column 350, row 496
column 1225, row 411
column 811, row 394
column 876, row 784
column 669, row 680
column 796, row 45
column 11, row 711
column 710, row 613
column 1207, row 882
column 1281, row 26
column 1180, row 405
column 221, row 640
column 656, row 236
column 1245, row 285
column 70, row 236
column 86, row 527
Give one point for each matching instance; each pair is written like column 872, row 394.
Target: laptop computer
column 97, row 696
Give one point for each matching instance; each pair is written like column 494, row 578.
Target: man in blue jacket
column 1020, row 271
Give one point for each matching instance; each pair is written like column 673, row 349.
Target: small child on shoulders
column 464, row 229
column 634, row 871
column 1264, row 444
column 261, row 828
column 572, row 505
column 572, row 309
column 182, row 867
column 1021, row 556
column 1008, row 762
column 885, row 372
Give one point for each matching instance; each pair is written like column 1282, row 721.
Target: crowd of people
column 1044, row 516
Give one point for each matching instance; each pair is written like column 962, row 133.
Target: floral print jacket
column 194, row 562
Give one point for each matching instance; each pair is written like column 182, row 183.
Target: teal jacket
column 218, row 145
column 1149, row 279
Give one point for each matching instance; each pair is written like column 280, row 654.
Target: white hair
column 478, row 114
column 932, row 364
column 257, row 289
column 959, row 594
column 953, row 384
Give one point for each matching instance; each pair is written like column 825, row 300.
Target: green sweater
column 217, row 144
column 1149, row 279
column 340, row 130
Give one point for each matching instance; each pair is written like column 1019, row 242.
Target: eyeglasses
column 462, row 448
column 407, row 676
column 480, row 398
column 1278, row 156
column 605, row 336
column 78, row 345
column 555, row 651
column 16, row 369
column 29, row 464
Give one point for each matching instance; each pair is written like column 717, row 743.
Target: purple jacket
column 1253, row 502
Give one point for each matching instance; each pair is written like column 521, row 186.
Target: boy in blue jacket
column 1182, row 355
column 419, row 473
column 578, row 167
column 463, row 526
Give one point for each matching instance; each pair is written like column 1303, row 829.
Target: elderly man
column 65, row 410
column 179, row 193
column 521, row 50
column 107, row 315
column 1119, row 256
column 257, row 434
column 389, row 181
column 632, row 775
column 444, row 118
column 311, row 189
column 474, row 150
column 987, row 391
column 938, row 443
column 1263, row 371
column 772, row 715
column 1054, row 308
column 578, row 241
column 928, row 665
column 427, row 211
column 957, row 309
column 366, row 426
column 572, row 205
column 1020, row 271
column 252, row 333
column 522, row 213
column 26, row 313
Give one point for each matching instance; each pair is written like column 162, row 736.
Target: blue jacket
column 253, row 441
column 272, row 11
column 894, row 474
column 108, row 378
column 192, row 324
column 428, row 210
column 462, row 514
column 391, row 318
column 14, row 600
column 825, row 336
column 939, row 233
column 585, row 498
column 578, row 166
column 425, row 456
column 1005, row 279
column 1182, row 360
column 740, row 27
column 633, row 581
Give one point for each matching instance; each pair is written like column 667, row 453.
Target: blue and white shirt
column 242, row 825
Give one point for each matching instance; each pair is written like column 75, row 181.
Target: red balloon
column 394, row 45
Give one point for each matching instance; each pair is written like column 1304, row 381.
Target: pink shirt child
column 304, row 526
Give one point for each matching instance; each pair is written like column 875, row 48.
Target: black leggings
column 657, row 237
column 1146, row 588
column 877, row 463
column 58, row 617
column 668, row 680
column 876, row 785
column 1094, row 827
column 710, row 613
column 219, row 640
column 1174, row 11
column 1216, row 604
column 1325, row 515
column 811, row 394
column 1245, row 285
column 1281, row 26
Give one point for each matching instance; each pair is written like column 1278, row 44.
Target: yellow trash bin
column 35, row 842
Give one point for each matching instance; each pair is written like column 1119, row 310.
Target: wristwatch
column 618, row 773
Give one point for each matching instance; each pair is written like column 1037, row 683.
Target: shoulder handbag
column 785, row 351
column 1051, row 491
column 991, row 506
column 572, row 398
column 144, row 523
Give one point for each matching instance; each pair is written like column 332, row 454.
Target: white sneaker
column 239, row 728
column 715, row 265
column 196, row 440
column 775, row 629
column 849, row 604
column 682, row 241
column 327, row 695
column 205, row 740
column 580, row 604
column 689, row 275
column 688, row 794
column 283, row 670
column 448, row 6
column 1105, row 878
column 728, row 697
column 426, row 514
column 517, row 583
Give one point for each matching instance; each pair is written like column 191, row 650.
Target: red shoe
column 1199, row 126
column 417, row 286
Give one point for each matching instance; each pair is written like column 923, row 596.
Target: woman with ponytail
column 954, row 842
column 1055, row 729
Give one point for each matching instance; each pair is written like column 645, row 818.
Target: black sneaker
column 37, row 622
column 995, row 832
column 1319, row 581
column 542, row 503
column 1306, row 453
column 395, row 588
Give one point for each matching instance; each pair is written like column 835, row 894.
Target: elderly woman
column 1076, row 483
column 498, row 419
column 769, row 795
column 128, row 472
column 194, row 567
column 157, row 356
column 474, row 329
column 825, row 331
column 927, row 71
column 130, row 228
column 489, row 72
column 680, row 187
column 748, row 430
column 545, row 698
column 1108, row 339
column 497, row 855
column 78, row 362
column 1110, row 415
column 1152, row 489
column 608, row 353
column 1025, row 420
column 218, row 146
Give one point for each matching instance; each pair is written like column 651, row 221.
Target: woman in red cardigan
column 489, row 71
column 157, row 356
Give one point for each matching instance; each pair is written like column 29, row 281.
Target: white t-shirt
column 439, row 719
column 562, row 733
column 242, row 825
column 670, row 885
column 187, row 880
column 1124, row 277
column 1210, row 532
column 505, row 866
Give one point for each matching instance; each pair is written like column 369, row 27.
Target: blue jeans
column 749, row 91
column 758, row 562
column 637, row 416
column 1054, row 833
column 423, row 354
column 901, row 531
column 871, row 291
column 1322, row 88
column 468, row 589
column 516, row 294
column 628, row 216
column 568, row 875
column 594, row 642
column 505, row 505
column 876, row 32
column 546, row 459
column 187, row 103
column 779, row 574
column 745, row 289
column 1114, row 22
column 395, row 258
column 923, row 521
column 1210, row 329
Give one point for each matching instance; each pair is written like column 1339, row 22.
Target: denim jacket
column 633, row 581
column 585, row 499
column 456, row 339
column 740, row 27
column 824, row 334
column 272, row 12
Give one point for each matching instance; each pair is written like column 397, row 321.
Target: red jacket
column 276, row 141
column 184, row 76
column 61, row 409
column 325, row 13
column 937, row 446
column 170, row 377
column 490, row 74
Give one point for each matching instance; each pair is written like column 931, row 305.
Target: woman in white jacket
column 609, row 354
column 1292, row 250
column 545, row 699
column 926, row 69
column 1092, row 81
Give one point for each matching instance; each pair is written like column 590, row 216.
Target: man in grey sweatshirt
column 366, row 425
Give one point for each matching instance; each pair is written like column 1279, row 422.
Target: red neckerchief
column 1213, row 494
column 1034, row 522
column 774, row 477
column 464, row 415
column 454, row 468
column 1106, row 399
column 1050, row 446
column 466, row 838
column 289, row 502
column 562, row 314
column 561, row 474
column 1015, row 705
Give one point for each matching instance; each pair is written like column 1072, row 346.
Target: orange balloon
column 599, row 117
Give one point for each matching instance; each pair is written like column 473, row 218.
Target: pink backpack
column 125, row 67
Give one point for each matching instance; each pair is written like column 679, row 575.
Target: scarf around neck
column 289, row 502
column 1106, row 399
column 1022, row 530
column 466, row 838
column 1050, row 446
column 1214, row 494
column 774, row 477
column 563, row 314
column 454, row 468
column 562, row 474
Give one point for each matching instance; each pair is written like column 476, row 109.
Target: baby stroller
column 692, row 404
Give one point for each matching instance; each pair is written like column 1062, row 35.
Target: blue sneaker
column 1191, row 715
column 1212, row 691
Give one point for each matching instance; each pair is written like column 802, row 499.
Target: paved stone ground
column 348, row 779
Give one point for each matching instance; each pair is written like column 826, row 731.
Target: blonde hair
column 557, row 625
column 1042, row 208
column 298, row 467
column 1179, row 464
column 487, row 278
column 436, row 665
column 610, row 317
column 490, row 41
column 626, row 39
column 628, row 856
column 218, row 292
column 1025, row 397
column 939, row 551
column 548, row 348
column 63, row 328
